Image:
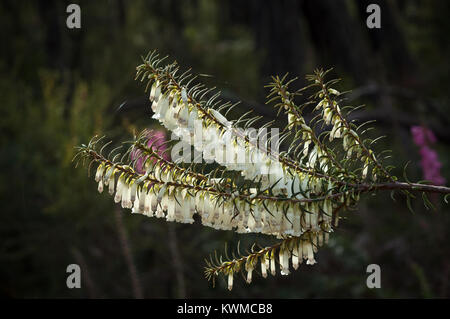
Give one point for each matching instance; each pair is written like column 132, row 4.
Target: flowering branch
column 296, row 196
column 294, row 248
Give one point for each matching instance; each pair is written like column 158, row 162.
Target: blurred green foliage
column 59, row 87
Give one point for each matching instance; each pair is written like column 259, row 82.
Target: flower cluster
column 212, row 134
column 353, row 147
column 431, row 166
column 169, row 191
column 293, row 250
column 295, row 196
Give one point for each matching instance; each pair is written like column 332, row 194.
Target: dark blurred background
column 61, row 86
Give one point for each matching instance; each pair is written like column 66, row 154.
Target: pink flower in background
column 431, row 166
column 156, row 140
column 422, row 135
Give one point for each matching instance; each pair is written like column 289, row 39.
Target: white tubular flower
column 200, row 204
column 322, row 103
column 337, row 130
column 119, row 188
column 152, row 91
column 230, row 280
column 160, row 108
column 184, row 96
column 284, row 260
column 142, row 200
column 107, row 175
column 291, row 119
column 169, row 119
column 366, row 168
column 153, row 202
column 295, row 256
column 171, row 203
column 148, row 205
column 249, row 268
column 125, row 195
column 159, row 211
column 333, row 91
column 273, row 270
column 99, row 173
column 135, row 209
column 183, row 116
column 161, row 193
column 327, row 115
column 100, row 186
column 289, row 221
column 309, row 247
column 155, row 91
column 264, row 265
column 130, row 202
column 133, row 190
column 249, row 275
column 188, row 208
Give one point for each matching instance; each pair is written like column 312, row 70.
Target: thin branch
column 125, row 245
